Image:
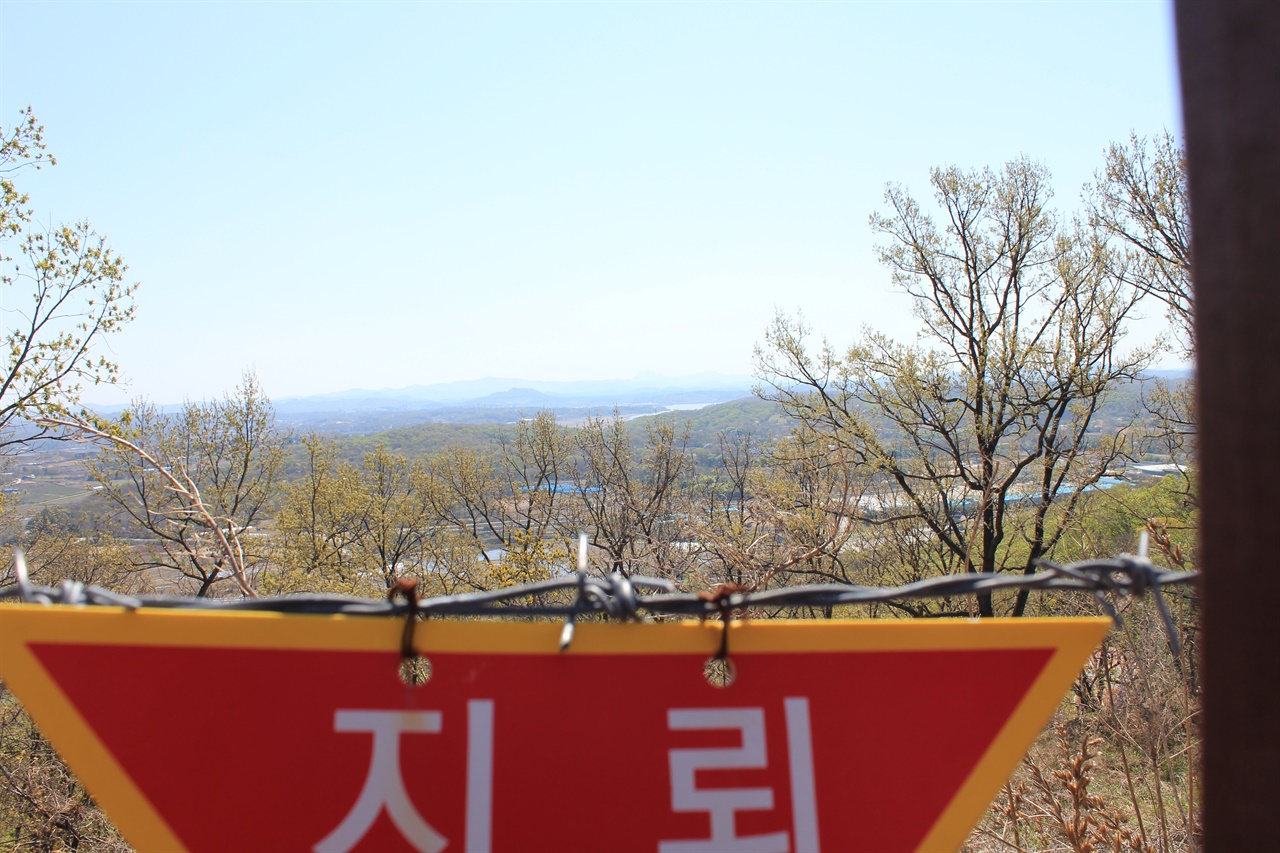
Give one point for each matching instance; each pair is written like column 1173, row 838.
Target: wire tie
column 408, row 589
column 726, row 613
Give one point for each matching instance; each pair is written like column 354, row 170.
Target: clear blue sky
column 376, row 195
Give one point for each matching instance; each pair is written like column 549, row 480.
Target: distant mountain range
column 494, row 400
column 492, row 392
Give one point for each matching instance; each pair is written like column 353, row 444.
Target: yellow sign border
column 1072, row 639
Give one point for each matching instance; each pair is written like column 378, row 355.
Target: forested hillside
column 1001, row 436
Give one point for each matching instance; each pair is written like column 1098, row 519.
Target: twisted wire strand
column 619, row 597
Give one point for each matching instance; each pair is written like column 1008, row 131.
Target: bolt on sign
column 239, row 731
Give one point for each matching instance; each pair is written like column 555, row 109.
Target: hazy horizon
column 659, row 381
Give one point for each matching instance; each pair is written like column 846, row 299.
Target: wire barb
column 566, row 633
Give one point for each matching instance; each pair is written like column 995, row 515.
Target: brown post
column 1230, row 58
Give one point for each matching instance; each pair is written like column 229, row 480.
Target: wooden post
column 1230, row 59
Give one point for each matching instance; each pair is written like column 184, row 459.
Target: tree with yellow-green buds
column 62, row 290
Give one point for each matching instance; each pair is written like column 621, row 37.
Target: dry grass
column 42, row 806
column 1117, row 770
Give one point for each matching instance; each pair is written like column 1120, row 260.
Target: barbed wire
column 618, row 596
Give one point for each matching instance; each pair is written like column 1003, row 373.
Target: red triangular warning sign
column 205, row 731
